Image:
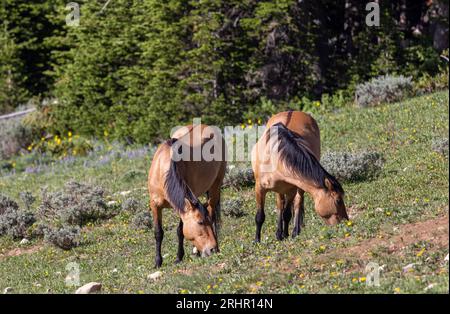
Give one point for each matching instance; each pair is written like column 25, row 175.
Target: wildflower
column 30, row 148
column 397, row 290
column 421, row 252
column 317, row 103
column 242, row 126
column 347, row 235
column 249, row 121
column 69, row 134
column 388, row 213
column 183, row 291
column 349, row 223
column 259, row 121
column 362, row 279
column 105, row 133
column 259, row 283
column 354, row 280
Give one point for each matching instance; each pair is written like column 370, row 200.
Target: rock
column 115, row 271
column 111, row 203
column 155, row 275
column 194, row 250
column 408, row 268
column 89, row 288
column 7, row 290
column 24, row 241
column 430, row 286
column 446, row 258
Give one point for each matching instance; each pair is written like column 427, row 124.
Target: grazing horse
column 286, row 160
column 188, row 165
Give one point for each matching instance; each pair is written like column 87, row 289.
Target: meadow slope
column 398, row 218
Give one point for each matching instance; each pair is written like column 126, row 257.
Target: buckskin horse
column 188, row 165
column 286, row 160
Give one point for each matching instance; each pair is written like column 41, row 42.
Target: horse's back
column 302, row 124
column 199, row 175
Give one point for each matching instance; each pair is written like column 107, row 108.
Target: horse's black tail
column 297, row 158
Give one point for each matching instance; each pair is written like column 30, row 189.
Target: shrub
column 131, row 205
column 14, row 136
column 384, row 89
column 239, row 178
column 16, row 223
column 65, row 238
column 352, row 166
column 233, row 208
column 142, row 220
column 76, row 204
column 440, row 146
column 7, row 204
column 28, row 199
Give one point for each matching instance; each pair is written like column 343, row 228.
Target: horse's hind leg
column 180, row 253
column 299, row 212
column 159, row 232
column 280, row 210
column 287, row 213
column 260, row 215
column 213, row 196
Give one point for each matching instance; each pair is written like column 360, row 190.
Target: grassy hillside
column 398, row 218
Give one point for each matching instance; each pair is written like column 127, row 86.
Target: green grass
column 412, row 187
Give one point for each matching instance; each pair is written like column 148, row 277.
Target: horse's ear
column 329, row 185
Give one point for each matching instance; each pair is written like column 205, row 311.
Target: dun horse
column 286, row 160
column 190, row 164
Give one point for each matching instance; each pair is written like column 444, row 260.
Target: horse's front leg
column 260, row 215
column 159, row 232
column 180, row 253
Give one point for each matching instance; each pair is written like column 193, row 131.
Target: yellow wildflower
column 421, row 252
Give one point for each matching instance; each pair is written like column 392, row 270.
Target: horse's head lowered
column 329, row 202
column 198, row 228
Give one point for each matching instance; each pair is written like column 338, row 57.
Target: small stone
column 7, row 290
column 24, row 241
column 408, row 268
column 89, row 288
column 155, row 275
column 430, row 286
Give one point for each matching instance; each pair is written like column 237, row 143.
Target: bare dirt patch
column 21, row 251
column 434, row 231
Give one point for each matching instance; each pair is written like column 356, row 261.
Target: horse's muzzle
column 208, row 251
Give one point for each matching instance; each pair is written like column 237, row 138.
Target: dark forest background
column 138, row 68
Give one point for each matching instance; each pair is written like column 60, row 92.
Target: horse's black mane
column 177, row 190
column 299, row 159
